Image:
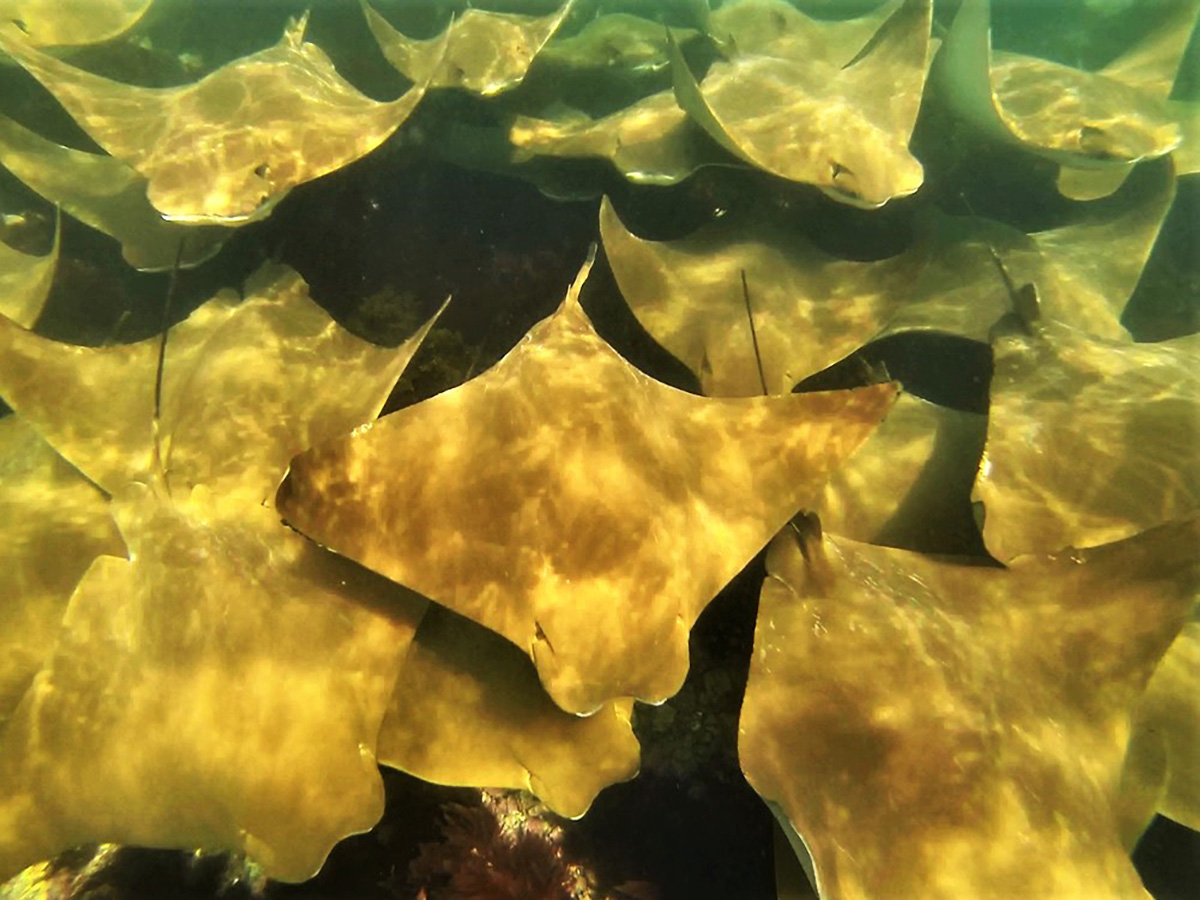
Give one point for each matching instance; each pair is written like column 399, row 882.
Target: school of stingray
column 231, row 591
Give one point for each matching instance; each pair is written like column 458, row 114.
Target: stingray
column 1089, row 440
column 53, row 523
column 45, row 23
column 482, row 52
column 1084, row 271
column 280, row 117
column 809, row 109
column 809, row 309
column 105, row 193
column 909, row 484
column 556, row 498
column 932, row 727
column 649, row 142
column 468, row 710
column 1096, row 125
column 614, row 46
column 225, row 660
column 25, row 280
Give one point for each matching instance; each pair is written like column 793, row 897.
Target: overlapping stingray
column 942, row 729
column 649, row 142
column 483, row 52
column 1085, row 272
column 1089, row 441
column 53, row 523
column 232, row 447
column 228, row 147
column 25, row 280
column 468, row 710
column 105, row 193
column 794, row 100
column 571, row 504
column 226, row 660
column 1096, row 125
column 809, row 309
column 222, row 688
column 614, row 45
column 88, row 23
column 909, row 484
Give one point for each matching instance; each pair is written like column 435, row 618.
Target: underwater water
column 605, row 449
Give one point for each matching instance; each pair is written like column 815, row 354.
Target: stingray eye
column 837, row 170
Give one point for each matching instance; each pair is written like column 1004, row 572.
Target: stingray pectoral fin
column 963, row 69
column 1091, row 183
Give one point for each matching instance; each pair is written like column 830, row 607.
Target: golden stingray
column 103, row 192
column 88, row 23
column 53, row 523
column 943, row 729
column 482, row 52
column 222, row 688
column 228, row 147
column 1170, row 708
column 1085, row 271
column 785, row 30
column 227, row 660
column 810, row 309
column 234, row 444
column 1089, row 441
column 649, row 142
column 1096, row 125
column 839, row 121
column 909, row 484
column 613, row 45
column 25, row 280
column 468, row 710
column 573, row 505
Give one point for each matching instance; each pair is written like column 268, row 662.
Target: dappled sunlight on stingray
column 909, row 484
column 228, row 147
column 1096, row 125
column 278, row 345
column 482, row 52
column 575, row 506
column 227, row 660
column 649, row 142
column 1084, row 272
column 942, row 729
column 105, row 193
column 1089, row 441
column 811, row 110
column 468, row 710
column 52, row 524
column 810, row 309
column 88, row 23
column 25, row 280
column 1099, row 258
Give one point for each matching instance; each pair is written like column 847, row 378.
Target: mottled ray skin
column 572, row 504
column 942, row 728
